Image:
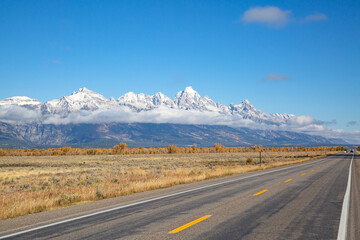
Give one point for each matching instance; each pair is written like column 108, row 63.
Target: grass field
column 35, row 184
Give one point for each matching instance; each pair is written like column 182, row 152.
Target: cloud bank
column 13, row 113
column 304, row 124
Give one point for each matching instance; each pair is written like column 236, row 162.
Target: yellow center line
column 176, row 230
column 265, row 190
column 288, row 180
column 312, row 170
column 318, row 167
column 303, row 174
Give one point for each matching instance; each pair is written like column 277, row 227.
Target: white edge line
column 151, row 200
column 342, row 232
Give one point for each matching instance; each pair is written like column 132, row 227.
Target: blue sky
column 299, row 57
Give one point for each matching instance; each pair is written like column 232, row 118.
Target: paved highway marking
column 288, row 180
column 312, row 170
column 319, row 167
column 101, row 211
column 344, row 218
column 176, row 230
column 265, row 190
column 303, row 174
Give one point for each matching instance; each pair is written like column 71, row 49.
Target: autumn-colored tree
column 91, row 152
column 259, row 148
column 217, row 147
column 194, row 147
column 36, row 152
column 340, row 148
column 172, row 149
column 120, row 148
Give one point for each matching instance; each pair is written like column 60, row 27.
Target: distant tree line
column 122, row 149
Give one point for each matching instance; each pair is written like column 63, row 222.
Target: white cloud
column 13, row 113
column 303, row 123
column 302, row 120
column 271, row 16
column 350, row 137
column 157, row 115
column 275, row 17
column 315, row 17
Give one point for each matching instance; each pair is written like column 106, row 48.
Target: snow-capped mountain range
column 86, row 118
column 188, row 99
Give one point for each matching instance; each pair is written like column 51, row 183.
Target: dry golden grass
column 35, row 184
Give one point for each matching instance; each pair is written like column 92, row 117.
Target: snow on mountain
column 281, row 116
column 188, row 99
column 141, row 101
column 21, row 101
column 160, row 99
column 136, row 101
column 83, row 99
column 248, row 111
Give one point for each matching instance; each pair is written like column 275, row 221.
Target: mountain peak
column 82, row 90
column 188, row 92
column 161, row 96
column 189, row 89
column 20, row 101
column 20, row 98
column 130, row 94
column 246, row 102
column 246, row 106
column 188, row 99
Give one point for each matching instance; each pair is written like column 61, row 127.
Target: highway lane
column 353, row 231
column 299, row 202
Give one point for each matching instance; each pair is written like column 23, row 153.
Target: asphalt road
column 297, row 202
column 353, row 231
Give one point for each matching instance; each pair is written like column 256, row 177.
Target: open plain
column 36, row 184
column 300, row 201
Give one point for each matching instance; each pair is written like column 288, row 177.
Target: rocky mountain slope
column 148, row 134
